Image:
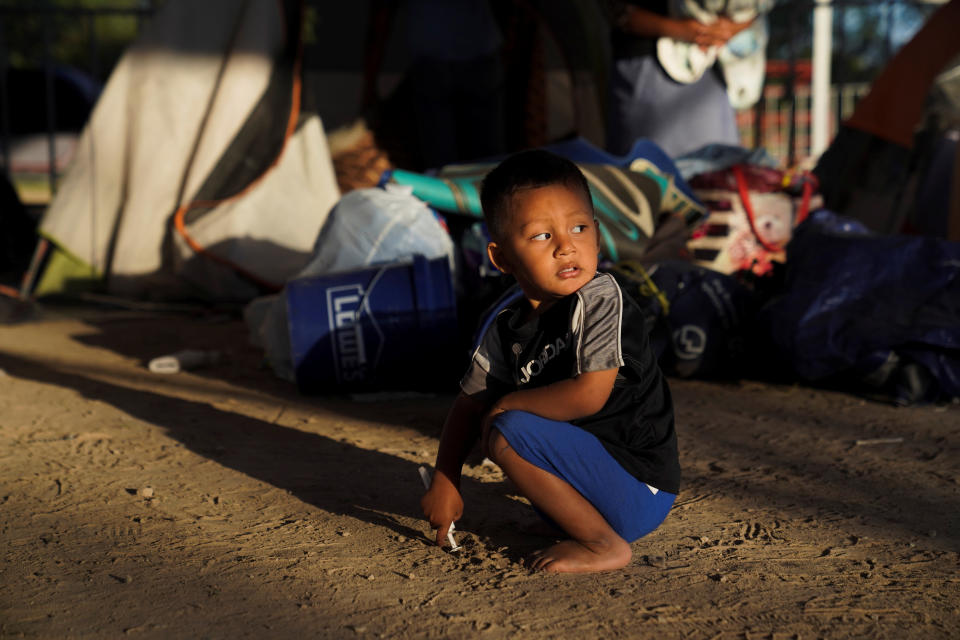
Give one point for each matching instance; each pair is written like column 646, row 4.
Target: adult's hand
column 690, row 30
column 723, row 29
column 649, row 24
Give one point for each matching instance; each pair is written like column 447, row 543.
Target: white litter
column 425, row 476
column 183, row 361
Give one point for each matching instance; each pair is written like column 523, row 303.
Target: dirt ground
column 222, row 504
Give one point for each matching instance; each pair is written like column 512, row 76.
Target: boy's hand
column 442, row 505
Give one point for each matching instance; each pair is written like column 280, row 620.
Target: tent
column 197, row 174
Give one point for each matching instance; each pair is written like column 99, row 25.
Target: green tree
column 87, row 34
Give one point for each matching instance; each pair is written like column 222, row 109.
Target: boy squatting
column 564, row 392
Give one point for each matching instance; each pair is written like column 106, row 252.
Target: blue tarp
column 864, row 306
column 581, row 151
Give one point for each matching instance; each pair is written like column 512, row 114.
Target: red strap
column 805, row 202
column 748, row 209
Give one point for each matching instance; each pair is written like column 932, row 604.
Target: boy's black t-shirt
column 594, row 329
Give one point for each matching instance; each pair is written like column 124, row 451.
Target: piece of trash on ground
column 425, row 476
column 183, row 361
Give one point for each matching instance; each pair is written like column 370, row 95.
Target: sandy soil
column 222, row 504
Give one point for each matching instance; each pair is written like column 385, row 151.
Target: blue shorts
column 632, row 508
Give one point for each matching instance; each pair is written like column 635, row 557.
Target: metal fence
column 781, row 121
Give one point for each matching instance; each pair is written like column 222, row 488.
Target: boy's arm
column 442, row 503
column 565, row 400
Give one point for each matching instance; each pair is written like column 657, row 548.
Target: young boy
column 564, row 392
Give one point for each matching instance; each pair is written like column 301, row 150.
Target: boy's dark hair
column 525, row 170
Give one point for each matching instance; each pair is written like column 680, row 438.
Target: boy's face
column 549, row 243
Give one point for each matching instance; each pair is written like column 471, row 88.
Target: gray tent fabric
column 203, row 107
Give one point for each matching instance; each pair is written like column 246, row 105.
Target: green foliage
column 87, row 34
column 311, row 23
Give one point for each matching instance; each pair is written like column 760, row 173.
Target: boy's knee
column 496, row 444
column 511, row 420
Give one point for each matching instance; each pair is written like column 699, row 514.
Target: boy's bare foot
column 602, row 548
column 570, row 556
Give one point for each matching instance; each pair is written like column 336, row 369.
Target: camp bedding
column 753, row 211
column 628, row 202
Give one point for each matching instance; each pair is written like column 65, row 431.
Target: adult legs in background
column 458, row 110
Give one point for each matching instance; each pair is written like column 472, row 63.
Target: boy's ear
column 596, row 223
column 497, row 257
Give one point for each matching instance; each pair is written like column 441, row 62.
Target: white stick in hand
column 425, row 476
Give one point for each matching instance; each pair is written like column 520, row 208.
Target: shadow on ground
column 334, row 476
column 796, row 470
column 147, row 336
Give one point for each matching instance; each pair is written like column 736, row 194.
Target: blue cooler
column 391, row 326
